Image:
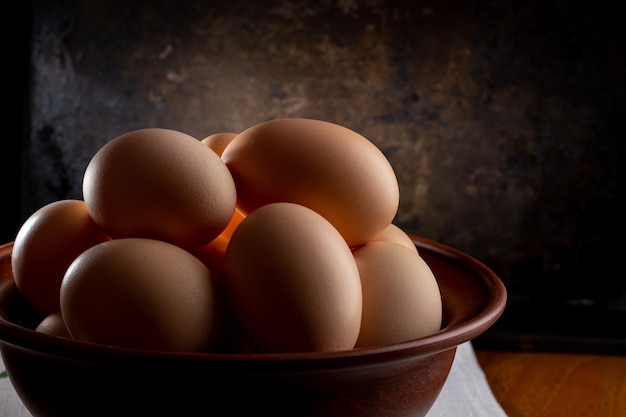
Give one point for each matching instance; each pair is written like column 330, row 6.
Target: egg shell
column 401, row 297
column 218, row 141
column 45, row 246
column 142, row 293
column 321, row 165
column 393, row 233
column 232, row 225
column 292, row 282
column 212, row 254
column 160, row 184
column 53, row 325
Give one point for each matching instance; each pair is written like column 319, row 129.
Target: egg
column 232, row 225
column 45, row 246
column 292, row 282
column 159, row 184
column 142, row 293
column 53, row 325
column 218, row 141
column 212, row 254
column 393, row 233
column 321, row 165
column 401, row 297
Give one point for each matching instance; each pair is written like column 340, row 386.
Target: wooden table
column 556, row 384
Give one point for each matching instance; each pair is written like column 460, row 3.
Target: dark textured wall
column 504, row 120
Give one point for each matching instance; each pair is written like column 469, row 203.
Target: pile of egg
column 275, row 239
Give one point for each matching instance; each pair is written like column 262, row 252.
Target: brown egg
column 393, row 233
column 218, row 141
column 142, row 293
column 292, row 282
column 232, row 225
column 46, row 244
column 212, row 254
column 326, row 167
column 401, row 298
column 159, row 184
column 53, row 325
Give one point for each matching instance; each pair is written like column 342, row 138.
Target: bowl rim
column 449, row 337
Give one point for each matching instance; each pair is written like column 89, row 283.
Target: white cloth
column 466, row 392
column 10, row 404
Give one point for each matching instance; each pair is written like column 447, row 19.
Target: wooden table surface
column 556, row 384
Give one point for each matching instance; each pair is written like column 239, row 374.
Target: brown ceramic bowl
column 60, row 377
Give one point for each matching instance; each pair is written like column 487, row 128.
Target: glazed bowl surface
column 59, row 377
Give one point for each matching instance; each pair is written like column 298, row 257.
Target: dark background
column 504, row 121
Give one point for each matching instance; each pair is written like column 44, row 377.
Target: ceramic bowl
column 63, row 378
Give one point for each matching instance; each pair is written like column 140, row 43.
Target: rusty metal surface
column 503, row 120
